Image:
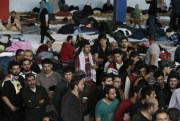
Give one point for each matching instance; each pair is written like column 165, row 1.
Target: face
column 81, row 85
column 112, row 94
column 156, row 106
column 15, row 70
column 31, row 81
column 110, row 58
column 153, row 94
column 26, row 65
column 47, row 68
column 28, row 55
column 142, row 71
column 160, row 81
column 45, row 119
column 173, row 82
column 135, row 59
column 162, row 117
column 68, row 76
column 124, row 43
column 108, row 81
column 87, row 49
column 103, row 41
column 20, row 56
column 13, row 14
column 117, row 82
column 118, row 58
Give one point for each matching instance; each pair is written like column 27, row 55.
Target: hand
column 126, row 117
column 13, row 108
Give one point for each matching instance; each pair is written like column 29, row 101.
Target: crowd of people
column 106, row 81
column 102, row 82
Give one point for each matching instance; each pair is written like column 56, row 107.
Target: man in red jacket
column 67, row 50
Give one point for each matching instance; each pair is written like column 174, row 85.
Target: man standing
column 44, row 22
column 175, row 99
column 117, row 63
column 153, row 52
column 85, row 62
column 48, row 78
column 26, row 67
column 106, row 107
column 12, row 88
column 150, row 108
column 151, row 22
column 62, row 88
column 71, row 109
column 35, row 99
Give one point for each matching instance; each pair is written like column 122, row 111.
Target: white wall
column 28, row 5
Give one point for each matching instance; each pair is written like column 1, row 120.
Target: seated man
column 45, row 51
column 13, row 22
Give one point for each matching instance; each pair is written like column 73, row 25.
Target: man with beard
column 71, row 109
column 12, row 87
column 26, row 67
column 106, row 107
column 35, row 99
column 124, row 45
column 29, row 55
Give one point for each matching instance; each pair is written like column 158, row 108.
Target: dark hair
column 52, row 115
column 174, row 114
column 36, row 10
column 102, row 36
column 135, row 89
column 13, row 63
column 133, row 54
column 149, row 69
column 117, row 51
column 163, row 64
column 25, row 59
column 69, row 38
column 158, row 74
column 29, row 75
column 138, row 65
column 173, row 75
column 84, row 42
column 105, row 76
column 160, row 111
column 152, row 37
column 108, row 88
column 75, row 82
column 126, row 64
column 148, row 105
column 124, row 37
column 47, row 61
column 146, row 91
column 18, row 52
column 13, row 12
column 68, row 69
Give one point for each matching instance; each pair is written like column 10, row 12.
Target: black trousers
column 14, row 115
column 44, row 32
column 175, row 21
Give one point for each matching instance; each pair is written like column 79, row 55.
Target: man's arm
column 8, row 103
column 152, row 59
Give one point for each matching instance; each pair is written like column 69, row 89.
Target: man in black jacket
column 44, row 22
column 35, row 99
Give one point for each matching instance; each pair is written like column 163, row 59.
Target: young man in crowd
column 71, row 108
column 106, row 107
column 12, row 88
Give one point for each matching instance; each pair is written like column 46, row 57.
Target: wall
column 28, row 5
